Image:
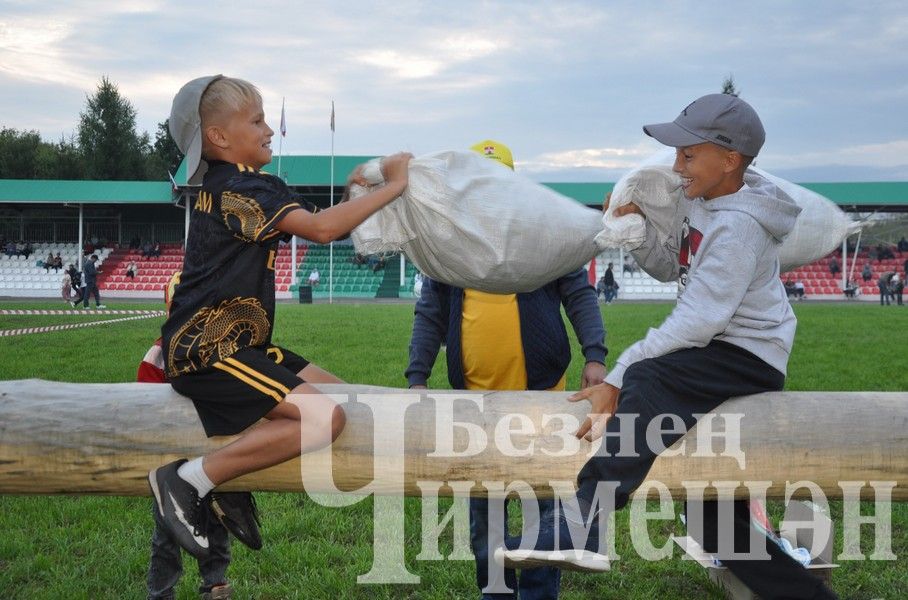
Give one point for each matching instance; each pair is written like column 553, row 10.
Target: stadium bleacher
column 20, row 277
column 637, row 285
column 818, row 281
column 23, row 277
column 153, row 272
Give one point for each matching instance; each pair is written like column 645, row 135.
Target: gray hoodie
column 725, row 255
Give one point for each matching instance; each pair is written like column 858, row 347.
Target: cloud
column 878, row 155
column 597, row 158
column 566, row 84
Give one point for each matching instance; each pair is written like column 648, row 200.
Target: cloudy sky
column 567, row 84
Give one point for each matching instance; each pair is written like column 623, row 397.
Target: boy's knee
column 639, row 372
column 338, row 422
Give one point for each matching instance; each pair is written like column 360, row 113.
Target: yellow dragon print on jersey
column 214, row 333
column 247, row 210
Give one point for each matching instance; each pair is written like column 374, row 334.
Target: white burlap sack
column 657, row 191
column 653, row 186
column 471, row 222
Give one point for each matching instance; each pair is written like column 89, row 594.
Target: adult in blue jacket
column 507, row 342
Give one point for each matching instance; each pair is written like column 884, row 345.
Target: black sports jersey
column 225, row 299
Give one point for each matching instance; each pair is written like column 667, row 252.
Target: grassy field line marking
column 50, row 328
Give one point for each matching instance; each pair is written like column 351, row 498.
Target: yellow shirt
column 492, row 348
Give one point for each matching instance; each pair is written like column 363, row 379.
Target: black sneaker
column 237, row 512
column 183, row 513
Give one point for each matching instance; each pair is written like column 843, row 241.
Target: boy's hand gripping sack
column 656, row 189
column 471, row 222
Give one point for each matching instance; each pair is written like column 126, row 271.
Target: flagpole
column 331, row 245
column 280, row 156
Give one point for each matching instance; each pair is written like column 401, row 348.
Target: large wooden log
column 65, row 438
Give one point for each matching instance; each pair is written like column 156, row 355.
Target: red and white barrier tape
column 49, row 328
column 89, row 312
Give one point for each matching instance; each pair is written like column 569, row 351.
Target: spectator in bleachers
column 358, row 259
column 883, row 284
column 75, row 281
column 49, row 262
column 376, row 263
column 905, row 266
column 629, row 265
column 146, row 249
column 896, row 286
column 852, row 289
column 58, row 262
column 867, row 272
column 789, row 287
column 607, row 286
column 883, row 252
column 10, row 249
column 834, row 268
column 132, row 270
column 25, row 249
column 903, row 245
column 315, row 278
column 799, row 290
column 417, row 284
column 66, row 289
column 89, row 248
column 91, row 282
column 156, row 249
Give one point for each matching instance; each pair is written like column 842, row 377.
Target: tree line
column 106, row 146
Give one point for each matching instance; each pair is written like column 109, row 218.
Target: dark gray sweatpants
column 685, row 383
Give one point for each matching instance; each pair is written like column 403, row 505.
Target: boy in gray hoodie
column 729, row 335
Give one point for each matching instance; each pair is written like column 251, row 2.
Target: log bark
column 68, row 438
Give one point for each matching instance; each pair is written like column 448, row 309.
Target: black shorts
column 237, row 391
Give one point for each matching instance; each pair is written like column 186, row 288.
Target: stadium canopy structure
column 311, row 176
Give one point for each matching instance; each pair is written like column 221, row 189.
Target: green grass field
column 98, row 547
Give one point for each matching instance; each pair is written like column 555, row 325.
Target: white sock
column 193, row 473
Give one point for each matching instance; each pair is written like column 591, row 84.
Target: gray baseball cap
column 722, row 119
column 186, row 125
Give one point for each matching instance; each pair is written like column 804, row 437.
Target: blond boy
column 217, row 339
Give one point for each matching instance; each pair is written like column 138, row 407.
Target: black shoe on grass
column 237, row 512
column 183, row 513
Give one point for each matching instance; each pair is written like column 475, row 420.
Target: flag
column 332, row 116
column 283, row 120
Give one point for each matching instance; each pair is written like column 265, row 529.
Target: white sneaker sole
column 571, row 560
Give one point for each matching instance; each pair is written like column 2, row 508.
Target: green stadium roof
column 315, row 171
column 85, row 192
column 868, row 193
column 591, row 194
column 304, row 170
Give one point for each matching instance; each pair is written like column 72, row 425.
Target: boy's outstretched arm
column 335, row 222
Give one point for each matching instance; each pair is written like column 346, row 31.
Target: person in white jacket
column 729, row 335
